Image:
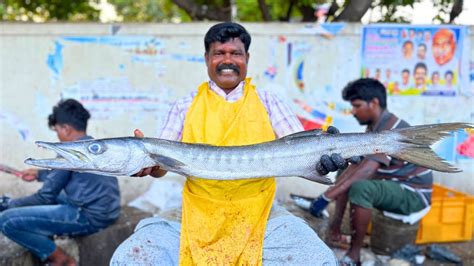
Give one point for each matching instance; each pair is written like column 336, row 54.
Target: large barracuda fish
column 293, row 155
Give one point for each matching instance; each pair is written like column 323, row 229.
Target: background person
column 448, row 79
column 419, row 75
column 435, row 81
column 379, row 181
column 407, row 50
column 68, row 204
column 444, row 46
column 421, row 51
column 378, row 74
column 405, row 84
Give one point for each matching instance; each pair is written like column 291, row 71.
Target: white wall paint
column 30, row 87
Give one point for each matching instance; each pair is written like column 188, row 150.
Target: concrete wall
column 128, row 75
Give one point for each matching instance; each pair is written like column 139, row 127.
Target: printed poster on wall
column 415, row 60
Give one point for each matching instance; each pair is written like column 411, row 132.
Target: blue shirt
column 97, row 196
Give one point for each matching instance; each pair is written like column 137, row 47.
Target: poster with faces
column 415, row 60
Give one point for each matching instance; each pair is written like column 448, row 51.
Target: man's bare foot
column 61, row 258
column 338, row 240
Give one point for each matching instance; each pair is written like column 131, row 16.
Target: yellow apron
column 223, row 222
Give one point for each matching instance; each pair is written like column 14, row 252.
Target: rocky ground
column 465, row 250
column 12, row 254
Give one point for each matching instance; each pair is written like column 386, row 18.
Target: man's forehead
column 232, row 41
column 443, row 39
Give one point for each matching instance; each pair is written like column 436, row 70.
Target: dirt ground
column 465, row 250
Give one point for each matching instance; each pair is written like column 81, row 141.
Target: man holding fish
column 231, row 222
column 223, row 139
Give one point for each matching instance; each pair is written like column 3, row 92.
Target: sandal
column 302, row 201
column 347, row 261
column 342, row 242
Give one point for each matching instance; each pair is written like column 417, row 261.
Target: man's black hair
column 407, row 42
column 226, row 31
column 449, row 72
column 70, row 112
column 422, row 45
column 365, row 89
column 406, row 70
column 420, row 65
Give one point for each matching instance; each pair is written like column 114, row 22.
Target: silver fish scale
column 295, row 157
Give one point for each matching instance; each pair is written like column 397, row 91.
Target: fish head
column 119, row 156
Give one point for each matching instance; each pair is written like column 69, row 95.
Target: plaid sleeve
column 173, row 126
column 283, row 119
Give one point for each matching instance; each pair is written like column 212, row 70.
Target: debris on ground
column 462, row 250
column 442, row 254
column 408, row 253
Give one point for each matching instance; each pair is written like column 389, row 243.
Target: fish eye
column 95, row 148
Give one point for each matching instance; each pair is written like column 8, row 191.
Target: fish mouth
column 67, row 158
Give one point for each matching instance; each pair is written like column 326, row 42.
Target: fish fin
column 425, row 157
column 416, row 143
column 166, row 162
column 318, row 178
column 307, row 133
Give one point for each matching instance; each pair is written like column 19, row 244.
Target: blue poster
column 414, row 60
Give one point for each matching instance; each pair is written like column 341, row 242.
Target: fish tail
column 416, row 143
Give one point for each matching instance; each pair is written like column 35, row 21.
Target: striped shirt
column 283, row 120
column 409, row 175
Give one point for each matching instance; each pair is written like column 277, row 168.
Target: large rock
column 14, row 255
column 95, row 249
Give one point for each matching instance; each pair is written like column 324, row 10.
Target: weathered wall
column 128, row 75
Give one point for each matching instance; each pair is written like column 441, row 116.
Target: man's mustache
column 228, row 66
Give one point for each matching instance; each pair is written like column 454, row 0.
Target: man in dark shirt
column 68, row 204
column 378, row 181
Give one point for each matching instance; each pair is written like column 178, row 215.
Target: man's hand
column 29, row 175
column 319, row 205
column 154, row 171
column 334, row 162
